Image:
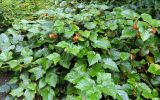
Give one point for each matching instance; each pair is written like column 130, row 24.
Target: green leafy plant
column 80, row 51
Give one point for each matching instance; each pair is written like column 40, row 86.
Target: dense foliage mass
column 11, row 10
column 82, row 51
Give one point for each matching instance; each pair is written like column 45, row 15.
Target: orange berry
column 45, row 14
column 135, row 26
column 154, row 30
column 133, row 56
column 75, row 38
column 134, row 93
column 53, row 35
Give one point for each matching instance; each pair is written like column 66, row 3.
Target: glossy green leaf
column 145, row 35
column 47, row 93
column 146, row 17
column 75, row 76
column 55, row 57
column 13, row 63
column 32, row 86
column 17, row 92
column 65, row 60
column 129, row 14
column 109, row 63
column 146, row 91
column 42, row 83
column 102, row 43
column 128, row 33
column 44, row 62
column 37, row 71
column 90, row 25
column 155, row 23
column 154, row 69
column 13, row 80
column 51, row 78
column 122, row 95
column 58, row 23
column 96, row 69
column 28, row 60
column 93, row 93
column 73, row 49
column 26, row 52
column 124, row 55
column 115, row 54
column 85, row 33
column 85, row 84
column 106, row 84
column 93, row 36
column 62, row 44
column 5, row 56
column 29, row 95
column 125, row 66
column 93, row 57
column 155, row 81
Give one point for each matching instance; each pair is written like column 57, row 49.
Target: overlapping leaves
column 110, row 59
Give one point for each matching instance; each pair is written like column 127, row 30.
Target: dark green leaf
column 51, row 78
column 4, row 88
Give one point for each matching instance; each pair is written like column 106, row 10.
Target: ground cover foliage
column 82, row 51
